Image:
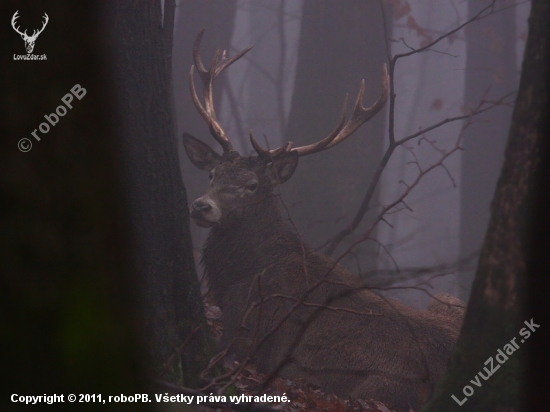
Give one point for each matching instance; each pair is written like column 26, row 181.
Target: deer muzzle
column 205, row 212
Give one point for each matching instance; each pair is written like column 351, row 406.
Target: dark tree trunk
column 495, row 312
column 180, row 344
column 491, row 73
column 538, row 263
column 340, row 44
column 68, row 297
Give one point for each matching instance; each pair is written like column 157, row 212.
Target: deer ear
column 282, row 168
column 200, row 154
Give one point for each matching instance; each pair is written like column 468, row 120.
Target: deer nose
column 202, row 206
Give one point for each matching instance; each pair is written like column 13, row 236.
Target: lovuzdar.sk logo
column 29, row 40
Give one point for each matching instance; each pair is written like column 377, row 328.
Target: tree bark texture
column 496, row 311
column 491, row 73
column 172, row 305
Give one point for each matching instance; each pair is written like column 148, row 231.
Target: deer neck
column 239, row 252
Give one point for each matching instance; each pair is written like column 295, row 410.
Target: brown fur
column 347, row 340
column 449, row 307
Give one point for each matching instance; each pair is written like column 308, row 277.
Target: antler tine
column 360, row 116
column 224, row 63
column 269, row 154
column 196, row 56
column 219, row 63
column 13, row 23
column 37, row 32
column 208, row 114
column 327, row 141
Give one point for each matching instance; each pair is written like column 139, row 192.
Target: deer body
column 294, row 312
column 396, row 354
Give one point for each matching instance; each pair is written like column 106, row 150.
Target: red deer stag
column 291, row 311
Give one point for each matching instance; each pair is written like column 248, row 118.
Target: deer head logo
column 29, row 40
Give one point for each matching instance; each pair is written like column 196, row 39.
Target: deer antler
column 219, row 63
column 360, row 116
column 13, row 21
column 37, row 32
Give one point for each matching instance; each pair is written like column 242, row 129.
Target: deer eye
column 252, row 186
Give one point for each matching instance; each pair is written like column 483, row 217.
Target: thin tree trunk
column 491, row 73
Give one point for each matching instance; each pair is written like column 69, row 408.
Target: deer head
column 29, row 40
column 237, row 183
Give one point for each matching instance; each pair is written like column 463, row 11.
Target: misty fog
column 432, row 240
